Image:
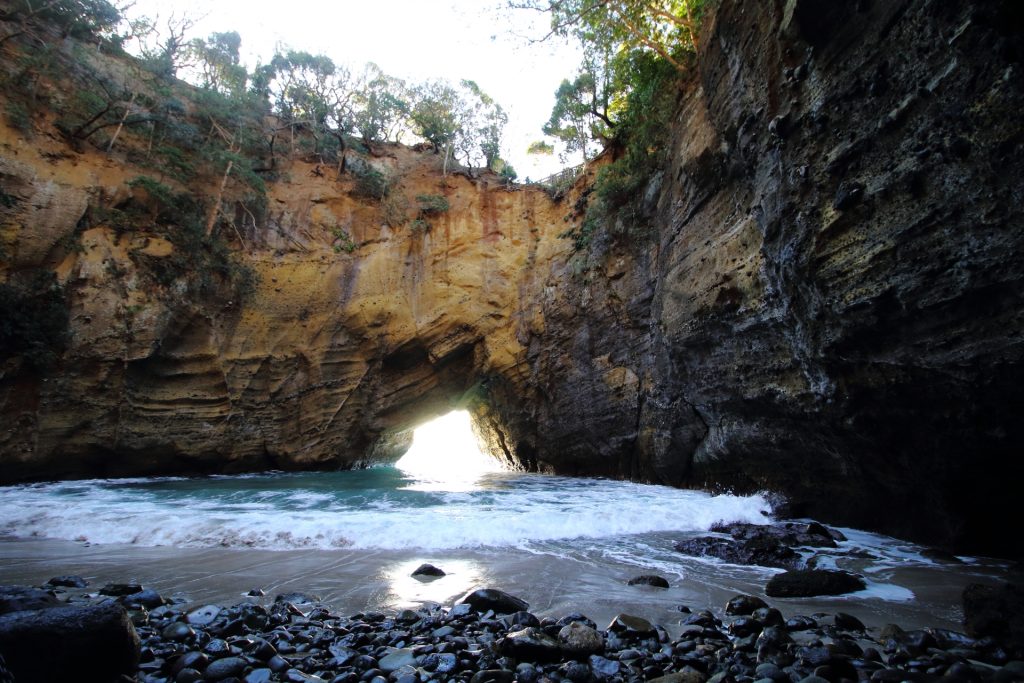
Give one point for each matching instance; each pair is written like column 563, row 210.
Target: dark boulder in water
column 763, row 552
column 90, row 644
column 810, row 582
column 120, row 590
column 428, row 571
column 483, row 599
column 69, row 581
column 649, row 580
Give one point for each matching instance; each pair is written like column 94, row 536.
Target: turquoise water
column 378, row 508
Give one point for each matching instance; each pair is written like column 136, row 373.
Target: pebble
column 492, row 637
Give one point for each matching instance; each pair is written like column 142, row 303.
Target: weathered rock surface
column 805, row 583
column 822, row 299
column 81, row 643
column 996, row 612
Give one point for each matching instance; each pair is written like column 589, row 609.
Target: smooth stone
column 526, row 673
column 427, row 571
column 225, row 668
column 649, row 580
column 687, row 675
column 120, row 590
column 848, row 622
column 61, row 643
column 493, row 676
column 178, row 632
column 744, row 627
column 801, row 623
column 806, row 583
column 531, row 643
column 297, row 676
column 68, row 581
column 144, row 598
column 769, row 670
column 204, row 615
column 575, row 616
column 769, row 616
column 256, row 593
column 442, row 632
column 604, row 667
column 577, row 672
column 20, row 598
column 523, row 619
column 395, row 659
column 744, row 605
column 446, row 663
column 259, row 676
column 484, row 599
column 188, row 676
column 460, row 610
column 577, row 637
column 191, row 660
column 630, row 625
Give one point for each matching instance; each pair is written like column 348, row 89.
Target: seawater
column 377, row 508
column 563, row 544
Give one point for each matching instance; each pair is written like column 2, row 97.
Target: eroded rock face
column 823, row 298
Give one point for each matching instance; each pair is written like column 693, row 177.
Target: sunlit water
column 354, row 538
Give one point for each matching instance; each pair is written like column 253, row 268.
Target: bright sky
column 415, row 40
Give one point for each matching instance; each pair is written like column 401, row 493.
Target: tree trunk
column 215, row 211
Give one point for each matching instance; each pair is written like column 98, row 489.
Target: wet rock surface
column 810, row 582
column 69, row 643
column 299, row 639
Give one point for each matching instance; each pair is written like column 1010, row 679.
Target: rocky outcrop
column 830, row 303
column 821, row 297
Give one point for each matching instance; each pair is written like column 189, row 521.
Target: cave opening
column 447, row 450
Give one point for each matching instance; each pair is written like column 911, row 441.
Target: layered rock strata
column 822, row 297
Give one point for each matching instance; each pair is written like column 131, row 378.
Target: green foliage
column 431, row 204
column 380, row 105
column 420, row 226
column 205, row 262
column 396, row 209
column 436, row 114
column 508, row 173
column 541, row 147
column 18, row 116
column 162, row 194
column 83, row 19
column 33, row 318
column 369, row 182
column 581, row 114
column 343, row 241
column 217, row 59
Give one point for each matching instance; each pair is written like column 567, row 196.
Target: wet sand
column 554, row 583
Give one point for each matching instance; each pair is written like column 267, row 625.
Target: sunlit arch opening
column 446, row 450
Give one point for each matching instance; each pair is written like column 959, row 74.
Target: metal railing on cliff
column 557, row 184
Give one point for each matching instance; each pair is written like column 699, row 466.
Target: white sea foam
column 505, row 511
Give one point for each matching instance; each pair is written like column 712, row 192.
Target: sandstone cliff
column 823, row 297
